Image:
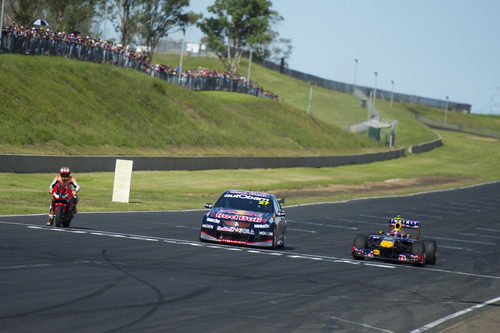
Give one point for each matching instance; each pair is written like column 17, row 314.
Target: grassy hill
column 57, row 105
column 53, row 105
column 333, row 107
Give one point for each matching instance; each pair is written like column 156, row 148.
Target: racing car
column 396, row 246
column 245, row 218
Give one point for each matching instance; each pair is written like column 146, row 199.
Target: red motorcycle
column 62, row 197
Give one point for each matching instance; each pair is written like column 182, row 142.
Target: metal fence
column 39, row 42
column 434, row 123
column 383, row 94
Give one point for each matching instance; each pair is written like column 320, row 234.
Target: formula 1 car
column 396, row 246
column 245, row 218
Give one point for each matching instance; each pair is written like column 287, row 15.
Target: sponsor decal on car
column 256, row 194
column 261, row 226
column 264, row 200
column 236, row 230
column 209, row 219
column 207, row 226
column 266, row 233
column 238, row 217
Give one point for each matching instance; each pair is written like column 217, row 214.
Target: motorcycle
column 62, row 197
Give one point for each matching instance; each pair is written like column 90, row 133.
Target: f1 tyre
column 361, row 241
column 430, row 252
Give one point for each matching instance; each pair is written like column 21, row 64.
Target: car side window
column 277, row 206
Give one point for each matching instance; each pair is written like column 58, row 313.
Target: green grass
column 463, row 160
column 491, row 122
column 53, row 105
column 339, row 109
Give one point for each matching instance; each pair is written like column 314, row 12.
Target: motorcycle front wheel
column 59, row 216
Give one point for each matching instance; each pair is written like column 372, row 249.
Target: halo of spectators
column 43, row 41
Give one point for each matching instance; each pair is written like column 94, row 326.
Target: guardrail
column 434, row 123
column 42, row 164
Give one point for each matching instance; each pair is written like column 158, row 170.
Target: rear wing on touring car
column 408, row 224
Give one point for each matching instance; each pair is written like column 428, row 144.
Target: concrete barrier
column 51, row 164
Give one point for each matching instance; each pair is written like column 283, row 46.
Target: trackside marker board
column 123, row 178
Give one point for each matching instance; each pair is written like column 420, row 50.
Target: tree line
column 231, row 27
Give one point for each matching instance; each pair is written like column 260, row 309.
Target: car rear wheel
column 430, row 252
column 282, row 243
column 361, row 241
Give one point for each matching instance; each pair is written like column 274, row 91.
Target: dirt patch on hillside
column 386, row 187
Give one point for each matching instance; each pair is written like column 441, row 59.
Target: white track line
column 293, row 255
column 454, row 315
column 360, row 324
column 324, row 225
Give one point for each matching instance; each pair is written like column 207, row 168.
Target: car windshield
column 245, row 202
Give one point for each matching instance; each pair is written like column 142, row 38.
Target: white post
column 375, row 90
column 123, row 178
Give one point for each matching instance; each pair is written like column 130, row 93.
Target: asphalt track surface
column 148, row 272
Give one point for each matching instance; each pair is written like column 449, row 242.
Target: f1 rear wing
column 409, row 224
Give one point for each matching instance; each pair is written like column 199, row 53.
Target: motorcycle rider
column 64, row 177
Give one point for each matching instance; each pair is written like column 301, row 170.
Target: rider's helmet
column 65, row 172
column 397, row 229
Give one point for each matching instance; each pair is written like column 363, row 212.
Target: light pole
column 355, row 74
column 182, row 53
column 392, row 91
column 446, row 111
column 1, row 23
column 249, row 65
column 373, row 96
column 105, row 19
column 310, row 98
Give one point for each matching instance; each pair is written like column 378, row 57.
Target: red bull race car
column 245, row 218
column 396, row 245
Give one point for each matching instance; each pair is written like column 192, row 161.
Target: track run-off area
column 148, row 272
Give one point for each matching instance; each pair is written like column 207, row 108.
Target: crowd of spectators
column 43, row 41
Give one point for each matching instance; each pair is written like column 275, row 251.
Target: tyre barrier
column 426, row 146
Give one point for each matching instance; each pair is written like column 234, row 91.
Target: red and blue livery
column 245, row 218
column 396, row 245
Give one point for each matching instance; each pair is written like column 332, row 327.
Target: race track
column 148, row 272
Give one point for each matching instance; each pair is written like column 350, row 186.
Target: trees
column 236, row 24
column 126, row 11
column 70, row 15
column 62, row 15
column 159, row 17
column 23, row 12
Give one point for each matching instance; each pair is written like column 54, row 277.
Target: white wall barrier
column 123, row 179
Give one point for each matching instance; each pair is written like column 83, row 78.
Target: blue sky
column 430, row 48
